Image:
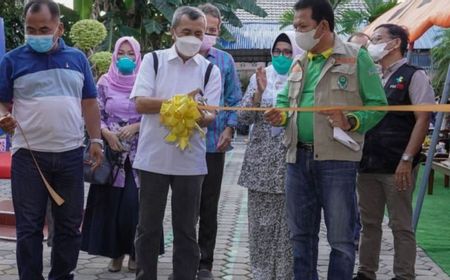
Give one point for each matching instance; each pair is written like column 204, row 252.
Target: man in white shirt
column 180, row 70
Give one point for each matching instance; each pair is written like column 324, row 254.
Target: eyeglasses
column 378, row 40
column 285, row 52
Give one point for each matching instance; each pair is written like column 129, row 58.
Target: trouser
column 376, row 191
column 208, row 209
column 310, row 186
column 64, row 171
column 186, row 192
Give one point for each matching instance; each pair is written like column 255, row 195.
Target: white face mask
column 378, row 51
column 306, row 40
column 188, row 45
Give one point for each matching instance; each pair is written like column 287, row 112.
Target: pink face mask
column 208, row 42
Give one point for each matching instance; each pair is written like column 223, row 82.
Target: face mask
column 378, row 51
column 208, row 42
column 305, row 40
column 126, row 65
column 40, row 43
column 188, row 45
column 281, row 64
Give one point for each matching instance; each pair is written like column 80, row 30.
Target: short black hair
column 397, row 31
column 35, row 6
column 321, row 10
column 358, row 34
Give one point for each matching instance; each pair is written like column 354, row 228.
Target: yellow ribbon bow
column 179, row 115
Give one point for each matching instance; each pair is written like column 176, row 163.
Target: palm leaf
column 349, row 20
column 251, row 7
column 287, row 18
column 441, row 59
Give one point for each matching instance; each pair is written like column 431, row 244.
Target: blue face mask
column 40, row 43
column 126, row 65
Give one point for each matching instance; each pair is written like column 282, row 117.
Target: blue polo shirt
column 46, row 90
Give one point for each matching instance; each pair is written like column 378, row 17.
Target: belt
column 305, row 146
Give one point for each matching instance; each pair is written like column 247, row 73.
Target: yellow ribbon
column 179, row 115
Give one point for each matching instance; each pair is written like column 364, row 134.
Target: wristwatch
column 98, row 141
column 406, row 157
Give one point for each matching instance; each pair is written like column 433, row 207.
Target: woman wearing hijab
column 112, row 210
column 264, row 167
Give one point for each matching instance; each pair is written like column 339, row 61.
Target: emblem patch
column 342, row 82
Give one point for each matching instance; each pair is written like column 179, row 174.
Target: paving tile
column 232, row 253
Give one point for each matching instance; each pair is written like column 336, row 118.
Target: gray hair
column 210, row 9
column 192, row 13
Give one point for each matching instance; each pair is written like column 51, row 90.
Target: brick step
column 7, row 216
column 8, row 233
column 8, row 221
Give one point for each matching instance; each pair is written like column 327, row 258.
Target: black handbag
column 105, row 173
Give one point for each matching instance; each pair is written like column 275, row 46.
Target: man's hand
column 193, row 93
column 337, row 119
column 225, row 139
column 96, row 155
column 8, row 123
column 403, row 177
column 127, row 132
column 273, row 116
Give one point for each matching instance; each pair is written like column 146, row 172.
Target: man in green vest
column 321, row 172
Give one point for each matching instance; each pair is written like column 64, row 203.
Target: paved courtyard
column 231, row 256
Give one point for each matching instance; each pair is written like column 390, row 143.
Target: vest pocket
column 295, row 84
column 343, row 85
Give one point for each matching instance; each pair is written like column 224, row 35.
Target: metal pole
column 410, row 51
column 2, row 38
column 434, row 140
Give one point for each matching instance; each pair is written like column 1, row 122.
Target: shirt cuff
column 283, row 118
column 358, row 122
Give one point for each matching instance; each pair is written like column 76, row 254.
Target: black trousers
column 185, row 208
column 208, row 209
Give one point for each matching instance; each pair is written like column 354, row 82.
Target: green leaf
column 251, row 7
column 125, row 30
column 226, row 34
column 152, row 26
column 83, row 8
column 128, row 4
column 349, row 20
column 287, row 18
column 164, row 8
column 232, row 19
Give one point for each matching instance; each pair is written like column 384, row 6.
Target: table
column 441, row 168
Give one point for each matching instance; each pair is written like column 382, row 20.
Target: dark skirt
column 110, row 218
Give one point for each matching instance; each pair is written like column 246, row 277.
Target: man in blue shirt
column 218, row 139
column 52, row 90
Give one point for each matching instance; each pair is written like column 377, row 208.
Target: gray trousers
column 377, row 191
column 186, row 193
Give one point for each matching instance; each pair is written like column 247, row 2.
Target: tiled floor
column 231, row 255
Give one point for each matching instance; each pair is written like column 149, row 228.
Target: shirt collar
column 394, row 67
column 212, row 52
column 173, row 54
column 326, row 54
